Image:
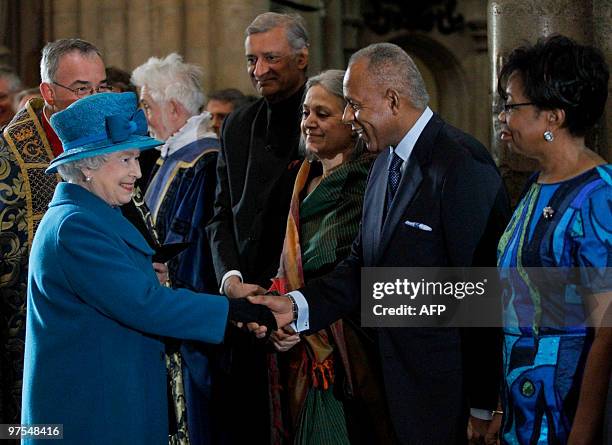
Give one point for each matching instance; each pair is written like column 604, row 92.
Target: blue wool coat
column 94, row 360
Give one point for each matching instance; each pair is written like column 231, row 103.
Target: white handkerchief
column 418, row 225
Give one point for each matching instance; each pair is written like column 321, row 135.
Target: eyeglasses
column 85, row 90
column 509, row 107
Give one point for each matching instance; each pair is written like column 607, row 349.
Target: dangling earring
column 549, row 136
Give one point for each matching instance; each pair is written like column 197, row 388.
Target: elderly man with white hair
column 181, row 192
column 180, row 197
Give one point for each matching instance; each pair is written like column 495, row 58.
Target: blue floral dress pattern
column 544, row 363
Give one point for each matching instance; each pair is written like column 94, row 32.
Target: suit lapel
column 410, row 182
column 374, row 206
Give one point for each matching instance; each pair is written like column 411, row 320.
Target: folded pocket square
column 417, row 225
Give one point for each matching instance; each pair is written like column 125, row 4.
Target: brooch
column 548, row 212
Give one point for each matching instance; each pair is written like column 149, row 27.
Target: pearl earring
column 87, row 178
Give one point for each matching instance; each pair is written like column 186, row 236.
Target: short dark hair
column 120, row 79
column 558, row 73
column 231, row 95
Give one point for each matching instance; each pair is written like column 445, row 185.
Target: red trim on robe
column 54, row 141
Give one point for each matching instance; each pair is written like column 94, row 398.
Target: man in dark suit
column 259, row 145
column 445, row 184
column 256, row 169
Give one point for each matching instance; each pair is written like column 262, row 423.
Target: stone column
column 318, row 39
column 602, row 27
column 602, row 39
column 5, row 53
column 65, row 22
column 47, row 20
column 91, row 17
column 114, row 43
column 206, row 32
column 139, row 30
column 476, row 64
column 511, row 24
column 25, row 25
column 332, row 29
column 230, row 19
column 200, row 37
column 167, row 33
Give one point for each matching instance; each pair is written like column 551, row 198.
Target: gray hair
column 390, row 66
column 73, row 171
column 171, row 78
column 53, row 52
column 13, row 80
column 297, row 36
column 331, row 80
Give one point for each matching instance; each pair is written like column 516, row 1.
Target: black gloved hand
column 240, row 310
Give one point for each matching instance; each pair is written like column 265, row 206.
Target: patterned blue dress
column 563, row 225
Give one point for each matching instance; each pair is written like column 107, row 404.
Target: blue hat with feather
column 100, row 124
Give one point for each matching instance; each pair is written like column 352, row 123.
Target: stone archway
column 452, row 92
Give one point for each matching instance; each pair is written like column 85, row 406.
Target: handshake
column 262, row 314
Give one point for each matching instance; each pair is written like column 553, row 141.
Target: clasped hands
column 281, row 307
column 161, row 270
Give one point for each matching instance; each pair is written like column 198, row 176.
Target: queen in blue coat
column 97, row 314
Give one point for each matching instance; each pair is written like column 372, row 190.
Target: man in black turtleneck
column 256, row 169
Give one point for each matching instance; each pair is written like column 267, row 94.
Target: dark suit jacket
column 432, row 375
column 255, row 176
column 255, row 173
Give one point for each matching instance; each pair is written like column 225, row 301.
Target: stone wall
column 513, row 23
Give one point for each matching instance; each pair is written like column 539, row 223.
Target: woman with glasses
column 556, row 367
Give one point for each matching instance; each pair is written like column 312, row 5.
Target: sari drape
column 309, row 383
